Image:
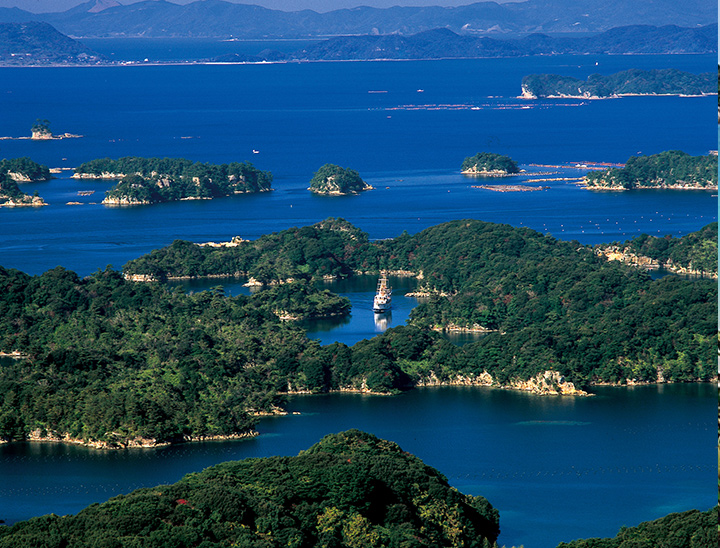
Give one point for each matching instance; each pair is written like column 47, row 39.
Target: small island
column 672, row 169
column 41, row 130
column 332, row 180
column 489, row 164
column 20, row 170
column 624, row 83
column 155, row 180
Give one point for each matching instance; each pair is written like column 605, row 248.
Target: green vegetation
column 151, row 180
column 41, row 128
column 299, row 253
column 300, row 300
column 691, row 529
column 557, row 303
column 627, row 82
column 336, row 180
column 488, row 163
column 113, row 360
column 669, row 169
column 9, row 189
column 694, row 253
column 351, row 489
column 24, row 169
column 20, row 169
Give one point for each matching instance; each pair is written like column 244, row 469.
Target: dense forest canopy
column 113, row 360
column 150, row 180
column 626, row 82
column 489, row 163
column 669, row 169
column 351, row 489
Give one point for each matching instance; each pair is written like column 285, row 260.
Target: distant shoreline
column 300, row 61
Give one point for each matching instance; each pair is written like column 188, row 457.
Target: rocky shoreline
column 548, row 383
column 39, row 436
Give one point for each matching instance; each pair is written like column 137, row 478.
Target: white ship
column 383, row 295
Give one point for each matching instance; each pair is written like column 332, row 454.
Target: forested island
column 155, row 180
column 351, row 489
column 22, row 170
column 627, row 82
column 670, row 169
column 333, row 180
column 112, row 362
column 489, row 164
column 694, row 254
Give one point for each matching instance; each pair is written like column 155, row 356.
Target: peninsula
column 621, row 84
column 488, row 164
column 672, row 169
column 332, row 180
column 155, row 180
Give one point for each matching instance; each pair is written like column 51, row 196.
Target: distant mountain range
column 219, row 19
column 40, row 43
column 443, row 43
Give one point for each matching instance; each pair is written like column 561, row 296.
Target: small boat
column 383, row 295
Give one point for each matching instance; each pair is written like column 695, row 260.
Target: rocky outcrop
column 548, row 383
column 455, row 328
column 103, row 175
column 26, row 201
column 236, row 241
column 140, row 278
column 617, row 253
column 124, row 201
column 486, row 172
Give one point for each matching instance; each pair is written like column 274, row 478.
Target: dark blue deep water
column 557, row 468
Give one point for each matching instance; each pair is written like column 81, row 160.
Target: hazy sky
column 38, row 6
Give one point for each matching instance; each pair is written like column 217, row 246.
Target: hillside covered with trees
column 350, row 489
column 627, row 82
column 152, row 180
column 669, row 169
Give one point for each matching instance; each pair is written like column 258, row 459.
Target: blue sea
column 557, row 468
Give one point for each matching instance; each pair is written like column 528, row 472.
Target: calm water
column 556, row 468
column 408, row 142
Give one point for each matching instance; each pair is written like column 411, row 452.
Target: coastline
column 298, row 61
column 36, row 436
column 544, row 384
